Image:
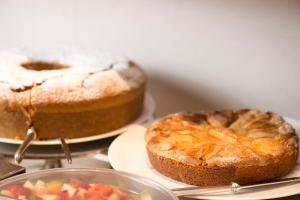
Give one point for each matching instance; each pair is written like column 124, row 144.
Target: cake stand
column 86, row 150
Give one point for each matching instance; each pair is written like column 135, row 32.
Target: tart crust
column 174, row 143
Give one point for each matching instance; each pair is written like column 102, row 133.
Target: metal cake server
column 232, row 189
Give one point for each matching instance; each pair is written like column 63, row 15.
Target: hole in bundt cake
column 40, row 65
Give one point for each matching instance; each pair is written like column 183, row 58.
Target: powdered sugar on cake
column 87, row 76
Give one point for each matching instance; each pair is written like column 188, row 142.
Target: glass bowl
column 129, row 183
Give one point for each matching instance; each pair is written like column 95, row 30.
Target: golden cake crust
column 68, row 95
column 222, row 147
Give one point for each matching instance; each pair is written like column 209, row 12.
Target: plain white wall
column 198, row 54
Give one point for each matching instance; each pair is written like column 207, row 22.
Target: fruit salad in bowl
column 82, row 184
column 73, row 190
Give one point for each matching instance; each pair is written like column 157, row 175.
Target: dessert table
column 88, row 157
column 89, row 154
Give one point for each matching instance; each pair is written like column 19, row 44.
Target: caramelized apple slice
column 221, row 135
column 267, row 146
column 220, row 118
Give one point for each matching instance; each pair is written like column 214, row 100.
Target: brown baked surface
column 243, row 146
column 62, row 100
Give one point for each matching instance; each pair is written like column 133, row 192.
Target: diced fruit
column 28, row 185
column 39, row 184
column 40, row 188
column 6, row 193
column 92, row 195
column 22, row 197
column 78, row 184
column 104, row 190
column 75, row 197
column 63, row 195
column 145, row 196
column 49, row 197
column 113, row 197
column 71, row 190
column 81, row 192
column 121, row 195
column 17, row 190
column 53, row 187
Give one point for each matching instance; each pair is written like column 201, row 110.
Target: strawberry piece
column 17, row 190
column 104, row 190
column 63, row 195
column 37, row 198
column 25, row 191
column 77, row 184
column 92, row 196
column 75, row 197
column 121, row 195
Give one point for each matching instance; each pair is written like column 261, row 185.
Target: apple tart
column 218, row 148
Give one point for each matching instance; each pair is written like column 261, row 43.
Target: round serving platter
column 134, row 159
column 148, row 111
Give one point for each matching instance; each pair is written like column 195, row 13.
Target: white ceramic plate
column 149, row 108
column 127, row 153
